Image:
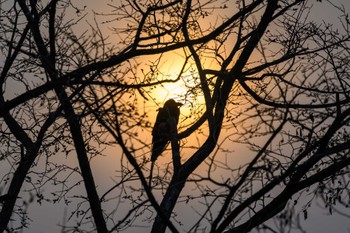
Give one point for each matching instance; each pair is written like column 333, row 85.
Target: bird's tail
column 151, row 174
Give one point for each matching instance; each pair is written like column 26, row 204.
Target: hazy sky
column 47, row 216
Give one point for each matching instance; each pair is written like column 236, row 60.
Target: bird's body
column 162, row 130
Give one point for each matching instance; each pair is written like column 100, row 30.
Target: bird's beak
column 179, row 104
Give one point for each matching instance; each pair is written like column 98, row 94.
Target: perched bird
column 162, row 130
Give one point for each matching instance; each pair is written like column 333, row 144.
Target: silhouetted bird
column 162, row 129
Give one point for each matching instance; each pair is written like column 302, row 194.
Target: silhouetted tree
column 263, row 132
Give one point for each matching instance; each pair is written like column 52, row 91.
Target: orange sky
column 104, row 168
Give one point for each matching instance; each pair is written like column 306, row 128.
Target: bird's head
column 170, row 103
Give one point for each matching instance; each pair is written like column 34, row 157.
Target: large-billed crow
column 162, row 130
